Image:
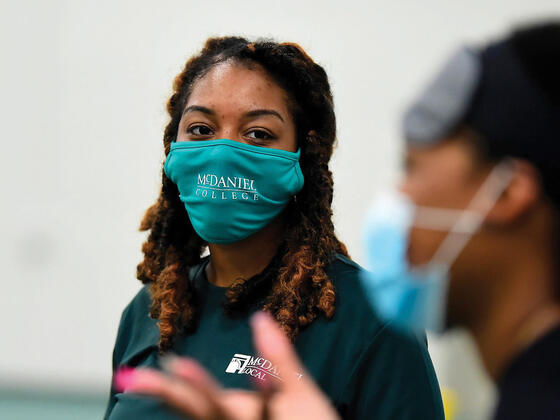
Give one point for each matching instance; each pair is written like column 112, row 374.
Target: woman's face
column 238, row 103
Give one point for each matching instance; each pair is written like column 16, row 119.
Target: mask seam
column 299, row 174
column 293, row 159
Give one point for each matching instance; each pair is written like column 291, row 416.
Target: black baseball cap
column 508, row 92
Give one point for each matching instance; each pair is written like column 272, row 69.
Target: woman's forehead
column 237, row 83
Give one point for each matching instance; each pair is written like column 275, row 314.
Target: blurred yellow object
column 450, row 403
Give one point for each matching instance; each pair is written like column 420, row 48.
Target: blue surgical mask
column 232, row 190
column 415, row 297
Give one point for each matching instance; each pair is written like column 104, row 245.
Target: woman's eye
column 259, row 135
column 199, row 130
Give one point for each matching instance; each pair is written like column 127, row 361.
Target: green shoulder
column 352, row 303
column 138, row 333
column 393, row 376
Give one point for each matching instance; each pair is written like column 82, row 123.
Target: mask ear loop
column 434, row 218
column 471, row 219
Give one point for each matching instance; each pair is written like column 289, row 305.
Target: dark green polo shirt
column 368, row 370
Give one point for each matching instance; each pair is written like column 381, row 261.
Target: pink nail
column 124, row 378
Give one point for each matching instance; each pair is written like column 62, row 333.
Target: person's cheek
column 423, row 244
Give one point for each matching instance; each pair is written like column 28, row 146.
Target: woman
column 246, row 174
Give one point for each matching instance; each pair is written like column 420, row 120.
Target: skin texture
column 244, row 105
column 241, row 103
column 189, row 389
column 503, row 285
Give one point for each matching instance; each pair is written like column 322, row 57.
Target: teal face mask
column 231, row 189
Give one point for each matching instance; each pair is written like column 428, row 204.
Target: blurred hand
column 193, row 392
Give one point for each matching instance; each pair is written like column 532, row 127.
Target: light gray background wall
column 84, row 84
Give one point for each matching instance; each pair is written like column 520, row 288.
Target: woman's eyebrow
column 199, row 108
column 251, row 114
column 259, row 112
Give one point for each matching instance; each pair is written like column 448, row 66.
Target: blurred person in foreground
column 483, row 172
column 471, row 239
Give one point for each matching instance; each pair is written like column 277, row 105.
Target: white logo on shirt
column 256, row 366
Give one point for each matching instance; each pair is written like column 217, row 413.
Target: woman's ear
column 521, row 195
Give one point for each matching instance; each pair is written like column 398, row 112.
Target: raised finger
column 177, row 393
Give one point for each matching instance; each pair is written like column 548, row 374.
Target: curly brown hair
column 295, row 287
